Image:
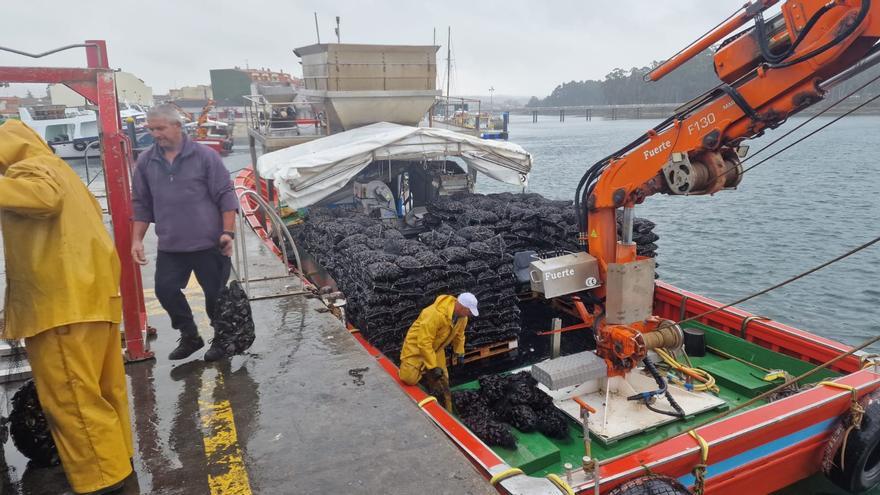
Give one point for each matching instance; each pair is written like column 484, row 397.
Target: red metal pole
column 97, row 84
column 117, row 159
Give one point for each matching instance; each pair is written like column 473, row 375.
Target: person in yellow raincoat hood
column 62, row 298
column 424, row 349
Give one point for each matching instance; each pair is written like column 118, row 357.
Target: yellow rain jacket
column 62, row 297
column 427, row 338
column 61, row 264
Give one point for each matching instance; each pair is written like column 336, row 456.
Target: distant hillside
column 622, row 87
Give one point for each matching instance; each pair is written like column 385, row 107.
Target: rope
column 503, row 475
column 788, row 382
column 781, row 284
column 699, row 470
column 562, row 485
column 427, row 400
column 802, row 124
column 856, row 414
column 810, row 134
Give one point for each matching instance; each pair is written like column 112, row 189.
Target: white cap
column 469, row 301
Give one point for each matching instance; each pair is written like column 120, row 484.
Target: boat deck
column 306, row 410
column 539, row 455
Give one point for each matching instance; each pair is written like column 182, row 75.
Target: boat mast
column 448, row 58
column 317, row 31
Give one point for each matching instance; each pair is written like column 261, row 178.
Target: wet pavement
column 306, row 410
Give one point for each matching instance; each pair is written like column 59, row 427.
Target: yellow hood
column 18, row 142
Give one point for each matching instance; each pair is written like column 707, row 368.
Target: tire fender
column 852, row 460
column 650, row 485
column 80, row 145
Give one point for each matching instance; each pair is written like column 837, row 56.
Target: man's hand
column 225, row 244
column 434, row 373
column 137, row 252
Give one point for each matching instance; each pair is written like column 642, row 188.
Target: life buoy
column 80, row 145
column 852, row 456
column 650, row 485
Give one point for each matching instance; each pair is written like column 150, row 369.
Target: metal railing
column 241, row 265
column 280, row 119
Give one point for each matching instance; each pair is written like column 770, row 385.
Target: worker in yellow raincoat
column 424, row 350
column 62, row 298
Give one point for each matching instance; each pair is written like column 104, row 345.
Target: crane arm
column 768, row 73
column 695, row 151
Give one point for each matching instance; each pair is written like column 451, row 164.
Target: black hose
column 863, row 12
column 662, row 390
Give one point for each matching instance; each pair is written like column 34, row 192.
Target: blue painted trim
column 765, row 450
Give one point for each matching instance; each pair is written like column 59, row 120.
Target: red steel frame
column 98, row 85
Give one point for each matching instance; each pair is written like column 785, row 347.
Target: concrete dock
column 306, row 410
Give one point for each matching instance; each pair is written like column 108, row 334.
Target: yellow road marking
column 227, row 474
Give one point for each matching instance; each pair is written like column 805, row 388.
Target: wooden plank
column 490, row 350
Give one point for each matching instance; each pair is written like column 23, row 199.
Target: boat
column 68, row 130
column 202, row 129
column 71, row 131
column 214, row 134
column 704, row 396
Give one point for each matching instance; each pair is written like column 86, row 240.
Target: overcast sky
column 519, row 47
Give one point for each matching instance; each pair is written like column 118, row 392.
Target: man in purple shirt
column 184, row 188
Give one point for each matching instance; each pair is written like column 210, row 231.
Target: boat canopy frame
column 310, row 172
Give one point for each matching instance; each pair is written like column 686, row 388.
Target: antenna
column 337, row 29
column 317, row 31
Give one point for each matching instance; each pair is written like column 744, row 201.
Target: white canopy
column 309, row 172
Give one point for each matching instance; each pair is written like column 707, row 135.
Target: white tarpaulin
column 309, row 172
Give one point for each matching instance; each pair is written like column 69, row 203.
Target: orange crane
column 768, row 73
column 201, row 130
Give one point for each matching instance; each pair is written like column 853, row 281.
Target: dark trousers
column 172, row 274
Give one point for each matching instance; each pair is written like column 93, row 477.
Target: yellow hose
column 706, row 380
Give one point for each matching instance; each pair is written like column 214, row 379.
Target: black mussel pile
column 505, row 401
column 468, row 245
column 526, row 222
column 388, row 279
column 29, row 429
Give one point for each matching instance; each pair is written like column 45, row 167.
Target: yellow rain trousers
column 427, row 338
column 62, row 297
column 81, row 383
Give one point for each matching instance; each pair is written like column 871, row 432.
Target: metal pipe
column 276, row 219
column 745, row 14
column 866, row 63
column 629, row 215
column 50, row 52
column 247, row 284
column 556, row 338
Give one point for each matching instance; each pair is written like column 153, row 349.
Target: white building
column 129, row 89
